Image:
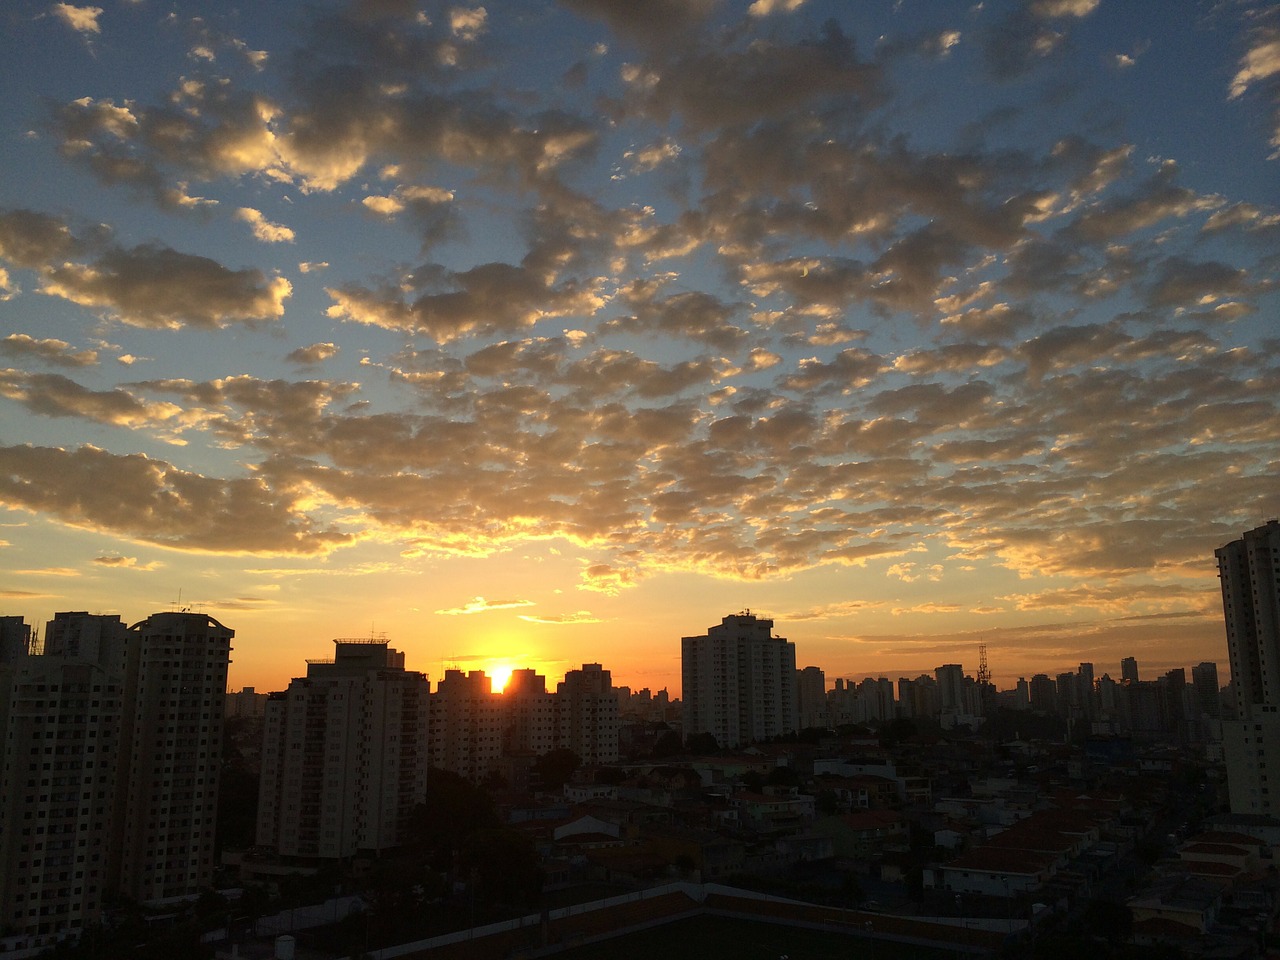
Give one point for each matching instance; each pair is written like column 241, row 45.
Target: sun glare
column 499, row 674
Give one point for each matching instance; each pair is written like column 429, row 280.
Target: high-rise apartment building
column 473, row 729
column 1249, row 570
column 587, row 714
column 345, row 754
column 950, row 677
column 529, row 714
column 15, row 639
column 175, row 689
column 1204, row 678
column 112, row 743
column 60, row 736
column 1129, row 670
column 466, row 725
column 739, row 682
column 811, row 697
column 1043, row 694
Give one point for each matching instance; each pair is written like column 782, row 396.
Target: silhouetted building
column 246, row 702
column 1043, row 694
column 174, row 709
column 587, row 714
column 467, row 722
column 60, row 797
column 112, row 746
column 739, row 682
column 345, row 752
column 528, row 714
column 1249, row 569
column 811, row 697
column 1204, row 678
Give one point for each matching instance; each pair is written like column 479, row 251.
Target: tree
column 452, row 808
column 504, row 863
column 667, row 745
column 782, row 777
column 555, row 768
column 896, row 731
column 703, row 744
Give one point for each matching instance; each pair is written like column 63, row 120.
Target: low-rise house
column 1238, row 858
column 993, row 872
column 584, row 792
column 713, row 856
column 778, row 810
column 1188, row 901
column 864, row 834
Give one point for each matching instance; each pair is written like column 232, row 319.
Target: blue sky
column 542, row 333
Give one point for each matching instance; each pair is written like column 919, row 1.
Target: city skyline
column 549, row 333
column 499, row 676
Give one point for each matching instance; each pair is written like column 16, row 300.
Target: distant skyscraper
column 1249, row 569
column 1043, row 694
column 950, row 677
column 1204, row 678
column 345, row 754
column 811, row 697
column 1129, row 670
column 739, row 682
column 1022, row 694
column 15, row 639
column 1086, row 691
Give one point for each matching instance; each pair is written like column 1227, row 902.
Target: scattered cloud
column 127, row 563
column 481, row 605
column 80, row 19
column 57, row 353
column 564, row 619
column 313, row 354
column 263, row 229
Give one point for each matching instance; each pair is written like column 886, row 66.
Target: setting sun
column 499, row 674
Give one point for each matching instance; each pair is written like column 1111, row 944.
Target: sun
column 499, row 674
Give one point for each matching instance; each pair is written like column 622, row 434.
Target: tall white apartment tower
column 345, row 754
column 1249, row 570
column 739, row 682
column 175, row 691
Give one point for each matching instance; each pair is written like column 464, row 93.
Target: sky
column 541, row 333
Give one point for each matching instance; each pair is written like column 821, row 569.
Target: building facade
column 739, row 682
column 1249, row 571
column 345, row 754
column 467, row 725
column 176, row 684
column 474, row 730
column 112, row 743
column 587, row 714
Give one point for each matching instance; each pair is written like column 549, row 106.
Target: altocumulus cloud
column 717, row 301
